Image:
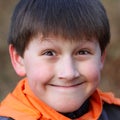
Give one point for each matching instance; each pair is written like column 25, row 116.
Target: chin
column 68, row 107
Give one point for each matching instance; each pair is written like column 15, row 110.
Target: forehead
column 51, row 39
column 52, row 36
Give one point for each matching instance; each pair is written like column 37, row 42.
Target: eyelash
column 49, row 53
column 83, row 52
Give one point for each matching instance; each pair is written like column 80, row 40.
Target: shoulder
column 5, row 118
column 112, row 111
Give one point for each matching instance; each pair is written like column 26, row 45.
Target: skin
column 61, row 73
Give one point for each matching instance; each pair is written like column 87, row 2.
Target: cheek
column 40, row 73
column 91, row 71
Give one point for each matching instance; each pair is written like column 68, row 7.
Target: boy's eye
column 49, row 53
column 83, row 52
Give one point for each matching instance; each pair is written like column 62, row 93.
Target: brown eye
column 83, row 52
column 49, row 53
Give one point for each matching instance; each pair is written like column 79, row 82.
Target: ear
column 17, row 61
column 103, row 56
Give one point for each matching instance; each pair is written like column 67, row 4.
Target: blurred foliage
column 110, row 80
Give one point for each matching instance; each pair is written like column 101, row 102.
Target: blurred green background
column 110, row 75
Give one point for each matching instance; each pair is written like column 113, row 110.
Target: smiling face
column 61, row 73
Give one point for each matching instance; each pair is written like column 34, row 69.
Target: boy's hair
column 70, row 19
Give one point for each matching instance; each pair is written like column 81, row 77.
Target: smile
column 67, row 86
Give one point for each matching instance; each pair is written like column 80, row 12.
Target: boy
column 60, row 46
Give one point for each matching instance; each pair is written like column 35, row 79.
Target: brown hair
column 71, row 19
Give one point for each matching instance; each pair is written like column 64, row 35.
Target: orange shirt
column 22, row 104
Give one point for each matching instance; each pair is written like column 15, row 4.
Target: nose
column 68, row 69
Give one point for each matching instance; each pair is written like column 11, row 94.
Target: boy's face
column 62, row 73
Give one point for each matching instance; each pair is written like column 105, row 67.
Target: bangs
column 69, row 19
